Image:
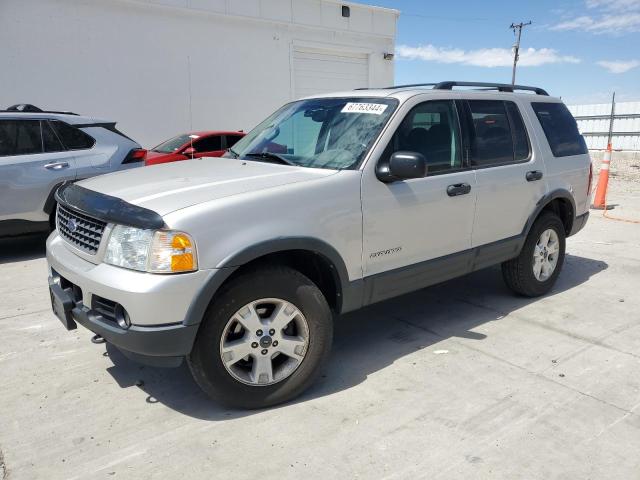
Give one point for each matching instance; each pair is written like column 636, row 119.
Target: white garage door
column 321, row 71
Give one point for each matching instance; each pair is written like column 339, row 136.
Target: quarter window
column 560, row 128
column 431, row 128
column 20, row 137
column 72, row 138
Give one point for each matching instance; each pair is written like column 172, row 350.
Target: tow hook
column 97, row 339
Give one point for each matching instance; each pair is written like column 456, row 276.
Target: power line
column 516, row 47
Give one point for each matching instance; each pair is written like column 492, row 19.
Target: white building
column 162, row 67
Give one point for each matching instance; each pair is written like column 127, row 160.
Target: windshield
column 174, row 144
column 333, row 133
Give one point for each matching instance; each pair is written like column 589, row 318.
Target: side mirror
column 403, row 165
column 189, row 152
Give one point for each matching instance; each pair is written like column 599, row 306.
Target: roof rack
column 28, row 108
column 501, row 87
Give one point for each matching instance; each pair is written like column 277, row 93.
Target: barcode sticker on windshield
column 374, row 108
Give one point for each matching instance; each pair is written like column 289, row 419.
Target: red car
column 192, row 145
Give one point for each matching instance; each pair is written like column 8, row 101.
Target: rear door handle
column 533, row 175
column 458, row 189
column 56, row 165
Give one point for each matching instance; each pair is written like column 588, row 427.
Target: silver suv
column 41, row 150
column 332, row 203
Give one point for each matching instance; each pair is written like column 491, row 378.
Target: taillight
column 590, row 179
column 135, row 155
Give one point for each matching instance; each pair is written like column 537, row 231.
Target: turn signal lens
column 172, row 252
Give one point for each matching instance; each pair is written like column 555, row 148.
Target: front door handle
column 56, row 165
column 458, row 189
column 533, row 175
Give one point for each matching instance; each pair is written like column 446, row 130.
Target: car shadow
column 370, row 339
column 22, row 248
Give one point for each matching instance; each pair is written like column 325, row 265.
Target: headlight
column 161, row 251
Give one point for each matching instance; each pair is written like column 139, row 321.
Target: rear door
column 33, row 162
column 210, row 146
column 509, row 173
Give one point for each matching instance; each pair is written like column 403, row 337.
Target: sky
column 580, row 50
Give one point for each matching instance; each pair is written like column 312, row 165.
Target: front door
column 418, row 232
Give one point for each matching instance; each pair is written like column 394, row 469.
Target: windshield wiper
column 233, row 152
column 271, row 156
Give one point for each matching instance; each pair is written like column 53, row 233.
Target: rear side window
column 208, row 144
column 50, row 140
column 560, row 128
column 492, row 142
column 232, row 139
column 72, row 138
column 518, row 132
column 20, row 137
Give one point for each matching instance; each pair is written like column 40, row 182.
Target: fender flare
column 349, row 294
column 559, row 193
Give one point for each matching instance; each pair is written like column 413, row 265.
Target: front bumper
column 157, row 305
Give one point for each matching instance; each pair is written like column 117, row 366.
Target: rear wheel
column 263, row 340
column 536, row 269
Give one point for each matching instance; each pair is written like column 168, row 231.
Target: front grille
column 80, row 230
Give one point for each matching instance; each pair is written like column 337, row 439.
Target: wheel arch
column 561, row 203
column 312, row 257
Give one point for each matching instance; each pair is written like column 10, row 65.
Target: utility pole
column 516, row 47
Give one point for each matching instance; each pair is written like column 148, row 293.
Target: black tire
column 518, row 272
column 280, row 282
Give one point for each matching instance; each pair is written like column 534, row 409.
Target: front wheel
column 536, row 269
column 263, row 340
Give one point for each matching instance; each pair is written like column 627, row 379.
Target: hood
column 172, row 186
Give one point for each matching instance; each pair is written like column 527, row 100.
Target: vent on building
column 346, row 11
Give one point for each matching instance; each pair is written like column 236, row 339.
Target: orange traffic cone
column 600, row 200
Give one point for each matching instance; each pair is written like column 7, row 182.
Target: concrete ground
column 462, row 380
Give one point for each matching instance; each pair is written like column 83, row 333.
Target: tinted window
column 72, row 138
column 208, row 144
column 518, row 131
column 431, row 128
column 492, row 141
column 560, row 129
column 50, row 140
column 232, row 139
column 20, row 137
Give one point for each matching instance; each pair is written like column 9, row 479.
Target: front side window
column 560, row 128
column 20, row 137
column 71, row 137
column 430, row 128
column 333, row 133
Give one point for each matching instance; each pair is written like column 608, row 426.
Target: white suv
column 332, row 203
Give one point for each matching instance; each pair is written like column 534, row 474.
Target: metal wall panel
column 626, row 125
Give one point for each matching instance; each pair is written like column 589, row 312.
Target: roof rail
column 501, row 87
column 28, row 108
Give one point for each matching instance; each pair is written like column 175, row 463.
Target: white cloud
column 483, row 57
column 619, row 66
column 610, row 16
column 613, row 24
